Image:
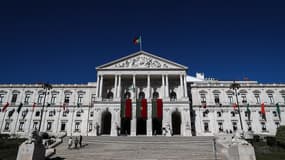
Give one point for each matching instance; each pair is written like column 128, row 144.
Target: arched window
column 127, row 95
column 141, row 95
column 155, row 95
column 173, row 95
column 110, row 95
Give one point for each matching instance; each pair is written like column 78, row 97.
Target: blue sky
column 63, row 41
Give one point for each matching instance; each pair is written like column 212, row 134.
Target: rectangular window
column 217, row 98
column 90, row 126
column 21, row 124
column 51, row 113
column 274, row 113
column 53, row 99
column 7, row 126
column 93, row 97
column 234, row 126
column 257, row 98
column 64, row 113
column 91, row 114
column 206, row 126
column 62, row 126
column 35, row 125
column 1, row 98
column 78, row 114
column 79, row 100
column 243, row 97
column 38, row 113
column 230, row 99
column 270, row 96
column 77, row 126
column 220, row 124
column 49, row 125
column 219, row 114
column 249, row 128
column 27, row 98
column 14, row 98
column 203, row 98
column 283, row 96
column 66, row 98
column 263, row 127
column 277, row 124
column 40, row 99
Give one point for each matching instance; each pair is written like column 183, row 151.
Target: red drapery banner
column 128, row 112
column 5, row 106
column 144, row 109
column 159, row 108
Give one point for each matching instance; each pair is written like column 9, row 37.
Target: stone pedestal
column 241, row 152
column 31, row 151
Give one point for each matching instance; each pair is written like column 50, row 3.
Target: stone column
column 163, row 87
column 167, row 87
column 98, row 86
column 181, row 87
column 134, row 87
column 115, row 86
column 185, row 86
column 101, row 86
column 119, row 88
column 134, row 121
column 149, row 120
column 148, row 87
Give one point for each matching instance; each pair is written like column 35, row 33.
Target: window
column 233, row 113
column 40, row 98
column 49, row 125
column 243, row 97
column 53, row 99
column 38, row 113
column 91, row 114
column 274, row 113
column 173, row 96
column 219, row 114
column 78, row 114
column 51, row 113
column 62, row 126
column 35, row 125
column 206, row 126
column 27, row 98
column 234, row 126
column 1, row 98
column 64, row 113
column 67, row 98
column 220, row 124
column 77, row 126
column 249, row 128
column 80, row 97
column 93, row 97
column 21, row 126
column 203, row 98
column 270, row 96
column 263, row 127
column 217, row 99
column 205, row 113
column 283, row 96
column 14, row 98
column 230, row 99
column 277, row 124
column 257, row 98
column 155, row 95
column 90, row 126
column 7, row 126
column 110, row 95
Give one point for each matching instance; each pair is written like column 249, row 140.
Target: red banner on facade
column 159, row 108
column 128, row 113
column 144, row 109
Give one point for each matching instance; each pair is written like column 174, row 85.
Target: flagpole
column 140, row 43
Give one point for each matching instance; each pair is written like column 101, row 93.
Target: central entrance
column 156, row 126
column 141, row 126
column 176, row 122
column 125, row 126
column 106, row 122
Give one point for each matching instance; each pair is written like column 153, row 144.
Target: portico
column 145, row 80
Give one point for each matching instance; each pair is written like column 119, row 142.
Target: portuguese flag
column 263, row 111
column 248, row 112
column 137, row 40
column 278, row 110
column 142, row 108
column 5, row 106
column 126, row 108
column 157, row 105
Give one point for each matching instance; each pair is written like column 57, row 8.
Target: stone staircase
column 139, row 147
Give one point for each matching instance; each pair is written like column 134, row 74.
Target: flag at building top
column 137, row 40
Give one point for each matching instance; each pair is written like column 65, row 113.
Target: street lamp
column 235, row 86
column 46, row 87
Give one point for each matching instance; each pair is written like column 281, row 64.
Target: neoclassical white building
column 142, row 94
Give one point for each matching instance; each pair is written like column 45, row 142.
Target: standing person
column 80, row 141
column 76, row 142
column 69, row 142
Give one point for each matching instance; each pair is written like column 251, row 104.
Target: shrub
column 280, row 136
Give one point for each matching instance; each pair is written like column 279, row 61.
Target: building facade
column 142, row 94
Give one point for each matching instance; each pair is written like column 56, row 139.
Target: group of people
column 77, row 141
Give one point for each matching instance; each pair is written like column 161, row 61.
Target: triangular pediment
column 141, row 60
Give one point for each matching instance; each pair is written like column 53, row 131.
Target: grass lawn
column 9, row 148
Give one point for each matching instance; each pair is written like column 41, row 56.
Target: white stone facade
column 95, row 108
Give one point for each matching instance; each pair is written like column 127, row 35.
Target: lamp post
column 46, row 87
column 235, row 86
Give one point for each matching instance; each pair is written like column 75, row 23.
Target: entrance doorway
column 125, row 126
column 176, row 122
column 156, row 126
column 106, row 122
column 141, row 126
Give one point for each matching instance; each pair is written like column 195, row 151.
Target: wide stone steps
column 140, row 147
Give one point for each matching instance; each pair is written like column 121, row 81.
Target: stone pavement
column 139, row 147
